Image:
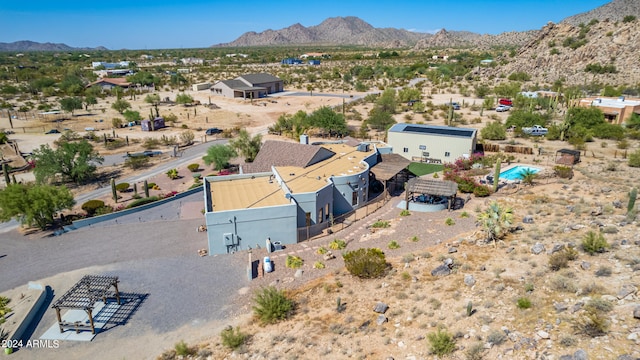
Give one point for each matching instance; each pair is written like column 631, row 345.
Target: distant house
column 192, row 61
column 106, row 65
column 110, row 83
column 250, row 86
column 616, row 110
column 291, row 61
column 313, row 62
column 430, row 143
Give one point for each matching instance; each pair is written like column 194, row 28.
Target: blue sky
column 161, row 24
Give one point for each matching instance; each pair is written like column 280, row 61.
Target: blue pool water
column 515, row 173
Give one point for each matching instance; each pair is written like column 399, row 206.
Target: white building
column 430, row 143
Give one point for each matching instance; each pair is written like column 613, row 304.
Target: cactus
column 339, row 305
column 146, row 189
column 13, row 178
column 496, row 174
column 127, row 139
column 469, row 308
column 5, row 171
column 113, row 190
column 631, row 205
column 135, row 189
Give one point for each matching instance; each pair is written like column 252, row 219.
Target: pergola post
column 93, row 328
column 115, row 285
column 59, row 319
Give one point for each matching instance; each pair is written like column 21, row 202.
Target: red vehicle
column 506, row 102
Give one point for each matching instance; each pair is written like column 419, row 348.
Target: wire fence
column 344, row 220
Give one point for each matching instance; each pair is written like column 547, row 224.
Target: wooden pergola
column 83, row 296
column 443, row 188
column 388, row 168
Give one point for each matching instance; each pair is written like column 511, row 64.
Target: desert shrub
column 294, row 262
column 449, row 222
column 475, row 351
column 136, row 162
column 104, row 210
column 568, row 341
column 441, row 343
column 272, row 305
column 481, row 191
column 558, row 261
column 563, row 283
column 172, row 174
column 183, row 349
column 593, row 243
column 592, row 323
column 321, row 250
column 564, row 172
column 599, row 304
column 232, row 338
column 380, row 224
column 524, row 303
column 115, row 144
column 142, row 201
column 337, row 244
column 634, row 159
column 318, row 265
column 91, row 206
column 405, row 213
column 393, row 245
column 151, row 185
column 193, row 167
column 603, row 271
column 366, row 263
column 493, row 131
column 122, row 187
column 150, row 143
column 497, row 337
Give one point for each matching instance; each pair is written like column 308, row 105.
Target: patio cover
column 390, row 165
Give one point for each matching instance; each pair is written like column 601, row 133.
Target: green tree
column 329, row 121
column 131, row 115
column 89, row 100
column 633, row 122
column 34, row 204
column 187, row 137
column 495, row 221
column 493, row 131
column 246, row 145
column 387, row 101
column 380, row 120
column 219, row 155
column 71, row 104
column 481, row 90
column 409, row 93
column 74, row 161
column 184, row 99
column 120, row 105
column 509, row 90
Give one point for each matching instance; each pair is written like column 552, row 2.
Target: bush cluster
column 441, row 343
column 294, row 262
column 272, row 305
column 122, row 187
column 366, row 263
column 92, row 206
column 142, row 201
column 232, row 338
column 337, row 244
column 193, row 167
column 594, row 243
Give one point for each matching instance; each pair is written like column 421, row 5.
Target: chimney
column 304, row 139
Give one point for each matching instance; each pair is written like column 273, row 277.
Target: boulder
column 580, row 355
column 527, row 219
column 626, row 290
column 441, row 270
column 381, row 319
column 556, row 248
column 636, row 312
column 469, row 280
column 585, row 265
column 561, row 306
column 538, row 248
column 543, row 334
column 381, row 308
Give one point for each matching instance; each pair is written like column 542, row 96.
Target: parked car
column 149, row 153
column 455, row 106
column 504, row 101
column 53, row 131
column 213, row 131
column 503, row 108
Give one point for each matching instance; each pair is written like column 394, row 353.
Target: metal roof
column 260, row 78
column 434, row 130
column 432, row 187
column 390, row 165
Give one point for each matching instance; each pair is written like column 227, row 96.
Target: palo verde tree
column 184, row 99
column 219, row 155
column 246, row 145
column 71, row 104
column 329, row 121
column 34, row 205
column 74, row 161
column 120, row 105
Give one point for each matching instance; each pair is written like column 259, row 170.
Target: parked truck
column 535, row 130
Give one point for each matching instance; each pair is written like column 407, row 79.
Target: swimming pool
column 515, row 173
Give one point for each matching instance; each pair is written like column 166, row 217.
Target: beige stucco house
column 616, row 110
column 250, row 86
column 430, row 143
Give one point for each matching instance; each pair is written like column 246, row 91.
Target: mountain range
column 352, row 30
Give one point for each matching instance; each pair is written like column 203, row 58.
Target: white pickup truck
column 535, row 130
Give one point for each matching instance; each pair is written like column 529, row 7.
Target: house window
column 405, row 150
column 423, row 147
column 354, row 198
column 447, row 154
column 425, row 154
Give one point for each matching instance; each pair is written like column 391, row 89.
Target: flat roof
column 611, row 102
column 233, row 193
column 434, row 130
column 347, row 161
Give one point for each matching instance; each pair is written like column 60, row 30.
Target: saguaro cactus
column 632, row 200
column 5, row 171
column 146, row 189
column 113, row 190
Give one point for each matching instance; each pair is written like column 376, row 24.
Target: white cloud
column 424, row 31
